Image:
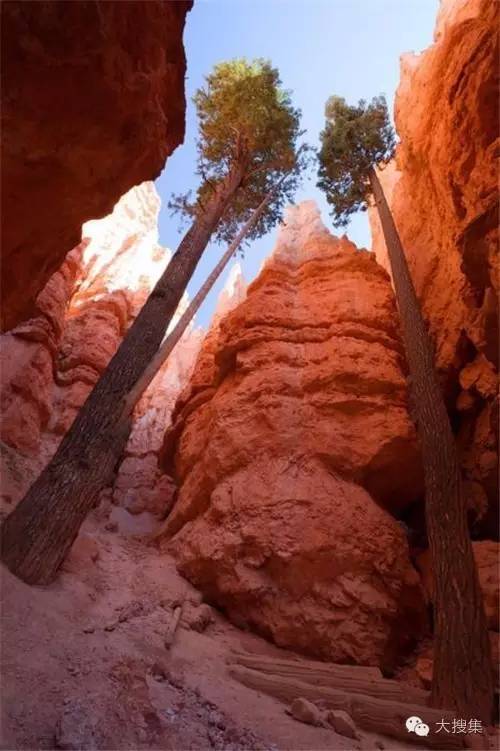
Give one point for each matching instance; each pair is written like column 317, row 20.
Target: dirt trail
column 85, row 667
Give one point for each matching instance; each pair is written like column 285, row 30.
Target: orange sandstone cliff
column 443, row 192
column 292, row 446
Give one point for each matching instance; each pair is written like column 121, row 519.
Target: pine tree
column 248, row 132
column 355, row 139
column 175, row 335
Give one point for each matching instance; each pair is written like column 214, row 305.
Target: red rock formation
column 92, row 104
column 297, row 408
column 121, row 263
column 28, row 355
column 140, row 484
column 444, row 197
column 52, row 362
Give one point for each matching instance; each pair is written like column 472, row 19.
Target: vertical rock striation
column 291, row 444
column 443, row 192
column 109, row 78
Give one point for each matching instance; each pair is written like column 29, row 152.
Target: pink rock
column 305, row 711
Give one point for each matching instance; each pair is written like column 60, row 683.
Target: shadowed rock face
column 444, row 197
column 294, row 422
column 92, row 104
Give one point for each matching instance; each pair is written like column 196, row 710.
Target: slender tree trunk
column 37, row 535
column 462, row 677
column 171, row 340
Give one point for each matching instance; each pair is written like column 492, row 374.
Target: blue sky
column 321, row 47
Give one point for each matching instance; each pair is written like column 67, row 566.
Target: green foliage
column 245, row 119
column 354, row 140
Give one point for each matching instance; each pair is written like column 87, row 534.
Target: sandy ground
column 85, row 666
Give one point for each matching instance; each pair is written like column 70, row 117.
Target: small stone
column 379, row 744
column 307, row 712
column 110, row 627
column 88, row 629
column 342, row 723
column 196, row 598
column 111, row 527
column 200, row 618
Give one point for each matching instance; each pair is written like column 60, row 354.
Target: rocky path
column 85, row 666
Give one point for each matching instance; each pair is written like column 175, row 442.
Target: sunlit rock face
column 121, row 263
column 53, row 361
column 444, row 197
column 110, row 79
column 289, row 445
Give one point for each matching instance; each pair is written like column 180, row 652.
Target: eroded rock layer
column 444, row 196
column 291, row 447
column 109, row 78
column 50, row 363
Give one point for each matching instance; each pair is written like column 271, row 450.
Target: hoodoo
column 293, row 450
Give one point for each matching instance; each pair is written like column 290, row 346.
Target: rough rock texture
column 110, row 79
column 121, row 263
column 50, row 363
column 444, row 197
column 140, row 484
column 294, row 421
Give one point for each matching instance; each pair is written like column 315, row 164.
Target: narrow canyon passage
column 257, row 574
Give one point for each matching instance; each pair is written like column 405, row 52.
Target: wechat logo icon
column 415, row 725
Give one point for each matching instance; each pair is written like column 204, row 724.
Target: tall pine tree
column 354, row 140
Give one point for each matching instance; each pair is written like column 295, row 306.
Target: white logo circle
column 422, row 729
column 411, row 723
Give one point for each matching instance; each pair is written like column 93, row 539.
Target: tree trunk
column 37, row 535
column 171, row 340
column 462, row 677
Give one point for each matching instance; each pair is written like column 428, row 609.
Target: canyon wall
column 292, row 445
column 442, row 189
column 51, row 362
column 92, row 104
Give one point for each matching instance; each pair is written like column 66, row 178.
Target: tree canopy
column 245, row 118
column 354, row 139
